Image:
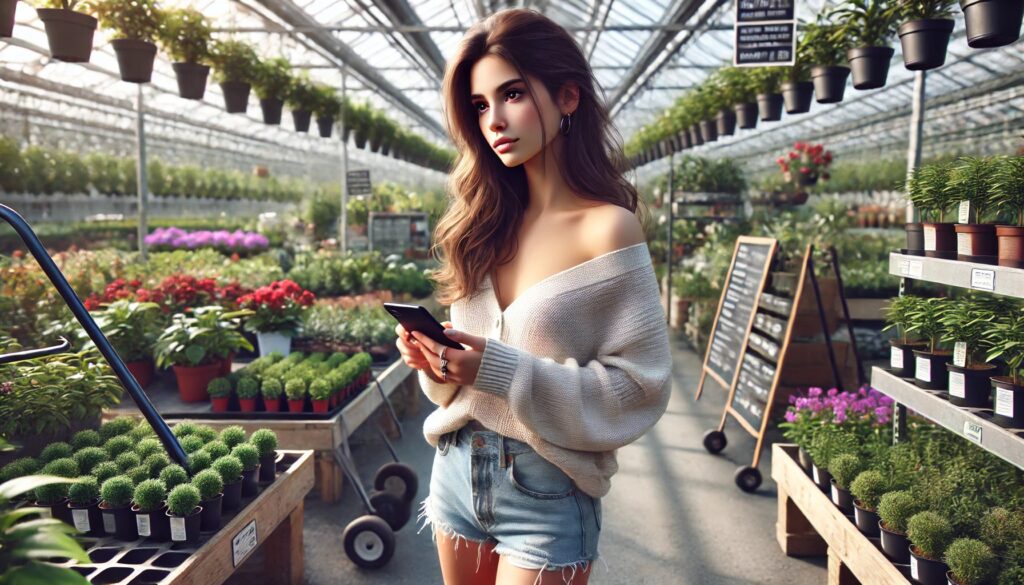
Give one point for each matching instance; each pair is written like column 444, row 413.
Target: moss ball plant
column 55, row 451
column 105, row 471
column 55, row 492
column 182, row 430
column 209, row 483
column 88, row 458
column 65, row 467
column 142, row 431
column 85, row 491
column 206, row 433
column 183, row 500
column 320, row 390
column 248, row 454
column 118, row 445
column 229, row 468
column 930, row 534
column 128, row 460
column 844, row 469
column 1002, row 529
column 86, row 438
column 150, row 495
column 295, row 388
column 19, row 468
column 199, row 461
column 971, row 561
column 138, row 474
column 265, row 441
column 271, row 389
column 156, row 463
column 192, row 443
column 147, row 447
column 868, row 488
column 121, row 425
column 173, row 475
column 219, row 388
column 232, row 436
column 248, row 387
column 217, row 449
column 117, row 491
column 896, row 508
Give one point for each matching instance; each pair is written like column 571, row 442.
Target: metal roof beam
column 400, row 13
column 411, row 29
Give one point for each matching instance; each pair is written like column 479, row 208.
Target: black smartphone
column 418, row 318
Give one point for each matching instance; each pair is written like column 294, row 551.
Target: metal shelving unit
column 1000, row 280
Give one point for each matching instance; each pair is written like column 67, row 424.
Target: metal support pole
column 140, row 173
column 343, row 219
column 916, row 129
column 671, row 225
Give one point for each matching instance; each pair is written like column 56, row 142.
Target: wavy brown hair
column 487, row 199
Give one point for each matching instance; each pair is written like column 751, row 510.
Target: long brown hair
column 487, row 199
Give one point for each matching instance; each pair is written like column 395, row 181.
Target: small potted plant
column 930, row 535
column 230, row 470
column 132, row 328
column 1006, row 334
column 739, row 98
column 327, row 109
column 135, row 25
column 894, row 510
column 965, row 324
column 930, row 371
column 149, row 507
column 971, row 562
column 199, row 461
column 249, row 455
column 276, row 314
column 826, row 51
column 970, row 181
column 769, row 92
column 54, row 451
column 295, row 389
column 183, row 511
column 798, row 90
column 234, row 64
column 320, row 393
column 826, row 444
column 844, row 469
column 867, row 489
column 84, row 503
column 1007, row 196
column 53, row 497
column 118, row 518
column 992, row 23
column 248, row 390
column 219, row 390
column 358, row 118
column 232, row 436
column 217, row 449
column 211, row 496
column 88, row 458
column 924, row 34
column 272, row 391
column 272, row 81
column 868, row 26
column 265, row 441
column 186, row 36
column 301, row 99
column 68, row 33
column 927, row 190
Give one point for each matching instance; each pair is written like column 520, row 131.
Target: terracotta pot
column 191, row 80
column 940, row 240
column 1009, row 403
column 971, row 387
column 870, row 66
column 321, row 406
column 135, row 59
column 926, row 571
column 192, row 382
column 247, row 404
column 7, row 10
column 272, row 404
column 325, row 125
column 746, row 115
column 68, row 33
column 976, row 242
column 272, row 109
column 709, row 130
column 769, row 106
column 829, row 83
column 236, row 96
column 866, row 520
column 924, row 43
column 726, row 123
column 930, row 370
column 915, row 239
column 186, row 529
column 797, row 96
column 301, row 119
column 142, row 371
column 1010, row 245
column 895, row 545
column 992, row 23
column 220, row 404
column 296, row 405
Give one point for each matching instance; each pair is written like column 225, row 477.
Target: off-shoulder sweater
column 577, row 366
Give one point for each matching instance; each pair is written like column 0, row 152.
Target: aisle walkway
column 673, row 515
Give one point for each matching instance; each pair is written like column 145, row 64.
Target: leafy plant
column 319, row 390
column 1002, row 529
column 277, row 307
column 1007, row 193
column 184, row 429
column 117, row 491
column 896, row 508
column 844, row 468
column 971, row 179
column 926, row 9
column 138, row 19
column 88, row 458
column 229, row 468
column 206, row 433
column 209, row 335
column 272, row 78
column 967, row 321
column 868, row 488
column 86, row 438
column 219, row 388
column 186, row 35
column 138, row 474
column 130, row 326
column 127, row 460
column 84, row 491
column 1006, row 335
column 155, row 463
column 295, row 389
column 899, row 313
column 234, row 61
column 232, row 435
column 150, row 495
column 105, row 471
column 248, row 454
column 265, row 441
column 173, row 475
column 930, row 534
column 19, row 468
column 209, row 484
column 768, row 79
column 926, row 319
column 192, row 443
column 326, row 104
column 823, row 43
column 53, row 493
column 926, row 189
column 971, row 561
column 302, row 94
column 866, row 23
column 829, row 442
column 271, row 389
column 183, row 500
column 248, row 387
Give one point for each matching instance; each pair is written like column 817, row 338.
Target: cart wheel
column 715, row 441
column 748, row 479
column 398, row 479
column 391, row 508
column 369, row 542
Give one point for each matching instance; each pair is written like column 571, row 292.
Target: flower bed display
column 277, row 311
column 237, row 242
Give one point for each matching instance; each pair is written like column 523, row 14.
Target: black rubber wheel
column 395, row 511
column 400, row 478
column 748, row 479
column 715, row 441
column 369, row 542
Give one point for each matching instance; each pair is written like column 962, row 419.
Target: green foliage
column 205, row 336
column 967, row 320
column 86, row 438
column 1002, row 529
column 138, row 474
column 84, row 491
column 229, row 467
column 206, row 433
column 866, row 23
column 868, row 488
column 219, row 388
column 234, row 61
column 265, row 441
column 896, row 508
column 209, row 484
column 184, row 429
column 1012, row 576
column 199, row 461
column 899, row 315
column 1007, row 193
column 150, row 495
column 926, row 320
column 147, row 447
column 127, row 460
column 105, row 471
column 971, row 179
column 844, row 468
column 271, row 388
column 927, row 190
column 183, row 500
column 131, row 327
column 830, row 442
column 118, row 426
column 930, row 534
column 926, row 9
column 89, row 457
column 272, row 79
column 117, row 491
column 319, row 390
column 54, row 451
column 248, row 454
column 191, row 444
column 155, row 463
column 971, row 561
column 232, row 435
column 117, row 445
column 19, row 468
column 823, row 43
column 217, row 449
column 248, row 387
column 302, row 94
column 173, row 475
column 768, row 79
column 186, row 36
column 1006, row 334
column 295, row 388
column 138, row 19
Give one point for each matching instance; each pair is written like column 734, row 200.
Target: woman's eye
column 480, row 106
column 508, row 94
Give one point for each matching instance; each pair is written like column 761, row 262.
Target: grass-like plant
column 55, row 451
column 127, row 460
column 265, row 441
column 86, row 438
column 105, row 471
column 150, row 495
column 117, row 491
column 866, row 23
column 927, row 190
column 229, row 468
column 971, row 178
column 117, row 445
column 84, row 491
column 147, row 447
column 183, row 500
column 930, row 534
column 1007, row 193
column 868, row 488
column 926, row 9
column 173, row 475
column 219, row 388
column 248, row 454
column 88, row 458
column 199, row 461
column 896, row 508
column 248, row 387
column 209, row 483
column 1006, row 334
column 926, row 321
column 971, row 561
column 845, row 468
column 232, row 435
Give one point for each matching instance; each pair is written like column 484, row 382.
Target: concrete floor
column 673, row 515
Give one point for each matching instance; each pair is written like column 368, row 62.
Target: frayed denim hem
column 567, row 570
column 435, row 525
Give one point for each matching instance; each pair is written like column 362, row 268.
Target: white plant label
column 972, row 431
column 108, row 523
column 929, row 238
column 924, row 369
column 178, row 529
column 960, row 354
column 45, row 513
column 957, row 385
column 142, row 522
column 965, row 212
column 913, row 568
column 983, row 279
column 896, row 358
column 81, row 518
column 1004, row 402
column 964, row 245
column 244, row 543
column 817, row 479
column 835, row 494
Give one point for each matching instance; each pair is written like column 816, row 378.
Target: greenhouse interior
column 269, row 238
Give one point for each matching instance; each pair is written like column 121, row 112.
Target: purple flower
column 814, row 392
column 790, row 416
column 840, row 417
column 6, row 388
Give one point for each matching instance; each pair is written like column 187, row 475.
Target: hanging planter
column 236, row 66
column 709, row 130
column 326, row 126
column 992, row 23
column 68, row 33
column 746, row 115
column 769, row 106
column 191, row 80
column 797, row 96
column 695, row 135
column 7, row 10
column 726, row 122
column 684, row 140
column 870, row 66
column 135, row 59
column 272, row 109
column 829, row 83
column 236, row 96
column 186, row 36
column 134, row 24
column 924, row 43
column 301, row 119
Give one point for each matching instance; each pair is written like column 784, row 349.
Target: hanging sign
column 765, row 33
column 358, row 182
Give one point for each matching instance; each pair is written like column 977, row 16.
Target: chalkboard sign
column 358, row 182
column 765, row 33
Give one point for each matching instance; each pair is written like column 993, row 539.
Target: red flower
column 805, row 171
column 793, row 155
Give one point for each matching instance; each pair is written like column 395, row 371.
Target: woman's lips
column 505, row 146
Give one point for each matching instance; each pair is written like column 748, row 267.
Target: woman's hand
column 463, row 364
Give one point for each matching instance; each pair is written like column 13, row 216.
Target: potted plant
column 930, row 371
column 217, row 449
column 276, row 314
column 53, row 497
column 327, row 110
column 135, row 25
column 971, row 562
column 84, row 503
column 232, row 436
column 826, row 50
column 927, row 190
column 230, row 470
column 184, row 511
column 173, row 475
column 1007, row 196
column 295, row 389
column 272, row 391
column 219, row 390
column 966, row 324
column 186, row 36
column 1006, row 334
column 118, row 518
column 828, row 443
column 769, row 96
column 149, row 507
column 265, row 441
column 248, row 389
column 301, row 99
column 705, row 107
column 68, row 33
column 739, row 91
column 894, row 511
column 930, row 535
column 272, row 81
column 235, row 64
column 798, row 90
column 844, row 469
column 320, row 393
column 867, row 490
column 211, row 496
column 924, row 34
column 358, row 118
column 868, row 26
column 127, row 460
column 249, row 455
column 992, row 23
column 971, row 181
column 132, row 328
column 197, row 345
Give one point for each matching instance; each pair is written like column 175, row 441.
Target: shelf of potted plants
column 1002, row 280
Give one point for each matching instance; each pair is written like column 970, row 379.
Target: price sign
column 983, row 279
column 765, row 33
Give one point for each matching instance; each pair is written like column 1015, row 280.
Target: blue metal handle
column 35, row 247
column 18, row 356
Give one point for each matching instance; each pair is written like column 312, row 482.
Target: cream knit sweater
column 577, row 366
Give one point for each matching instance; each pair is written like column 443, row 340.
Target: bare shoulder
column 610, row 227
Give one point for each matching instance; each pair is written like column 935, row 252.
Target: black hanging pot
column 870, row 66
column 135, row 59
column 797, row 96
column 924, row 43
column 191, row 80
column 325, row 125
column 829, row 83
column 272, row 111
column 236, row 96
column 726, row 122
column 301, row 118
column 769, row 106
column 746, row 115
column 709, row 130
column 249, row 486
column 992, row 23
column 7, row 10
column 232, row 495
column 210, row 516
column 68, row 33
column 684, row 140
column 695, row 135
column 360, row 139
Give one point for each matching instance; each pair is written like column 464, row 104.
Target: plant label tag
column 929, row 238
column 81, row 519
column 913, row 568
column 1004, row 402
column 244, row 543
column 972, row 431
column 835, row 494
column 178, row 529
column 983, row 279
column 924, row 369
column 960, row 354
column 957, row 385
column 965, row 212
column 814, row 472
column 45, row 513
column 142, row 523
column 964, row 245
column 896, row 358
column 108, row 523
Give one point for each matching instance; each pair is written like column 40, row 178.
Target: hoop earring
column 565, row 125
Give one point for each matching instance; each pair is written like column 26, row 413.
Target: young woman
column 553, row 296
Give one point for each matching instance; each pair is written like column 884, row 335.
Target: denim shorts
column 486, row 487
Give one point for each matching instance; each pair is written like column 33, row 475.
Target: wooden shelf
column 1000, row 280
column 974, row 424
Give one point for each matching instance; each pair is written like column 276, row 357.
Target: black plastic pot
column 870, row 66
column 87, row 519
column 191, row 80
column 805, row 460
column 992, row 23
column 301, row 119
column 930, row 370
column 232, row 495
column 896, row 546
column 135, row 59
column 746, row 115
column 971, row 388
column 210, row 517
column 1009, row 403
column 901, row 358
column 249, row 485
column 866, row 520
column 68, row 33
column 272, row 111
column 695, row 135
column 268, row 468
column 915, row 239
column 7, row 10
column 769, row 106
column 726, row 122
column 153, row 524
column 236, row 96
column 58, row 510
column 360, row 139
column 829, row 83
column 325, row 125
column 924, row 43
column 709, row 130
column 185, row 529
column 684, row 140
column 798, row 96
column 926, row 571
column 821, row 477
column 842, row 498
column 120, row 522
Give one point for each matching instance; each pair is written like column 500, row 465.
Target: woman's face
column 508, row 112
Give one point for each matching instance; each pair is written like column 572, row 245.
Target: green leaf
column 42, row 574
column 18, row 486
column 49, row 544
column 195, row 353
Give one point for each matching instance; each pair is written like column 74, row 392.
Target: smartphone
column 418, row 318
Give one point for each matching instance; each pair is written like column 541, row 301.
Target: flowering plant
column 178, row 293
column 277, row 307
column 805, row 164
column 863, row 411
column 236, row 242
column 208, row 335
